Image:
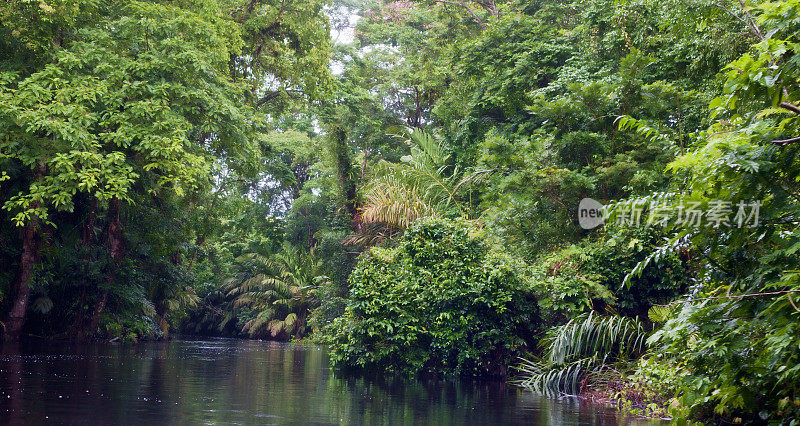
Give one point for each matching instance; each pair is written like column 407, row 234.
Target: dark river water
column 250, row 382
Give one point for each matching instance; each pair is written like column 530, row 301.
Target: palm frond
column 579, row 350
column 592, row 334
column 547, row 379
column 370, row 234
column 276, row 327
column 394, row 204
column 427, row 149
column 475, row 177
column 419, row 186
column 290, row 320
column 280, row 287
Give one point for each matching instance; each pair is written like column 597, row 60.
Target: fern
column 659, row 314
column 641, row 127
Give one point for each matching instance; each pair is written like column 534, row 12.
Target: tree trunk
column 115, row 241
column 163, row 308
column 163, row 325
column 344, row 174
column 200, row 241
column 78, row 329
column 87, row 232
column 22, row 293
column 30, row 254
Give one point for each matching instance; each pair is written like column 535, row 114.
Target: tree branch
column 736, row 296
column 464, row 5
column 786, row 141
column 490, row 7
column 268, row 97
column 793, row 108
column 749, row 22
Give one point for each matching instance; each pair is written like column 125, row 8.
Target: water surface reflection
column 250, row 382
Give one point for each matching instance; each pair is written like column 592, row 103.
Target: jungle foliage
column 440, row 302
column 136, row 154
column 401, row 180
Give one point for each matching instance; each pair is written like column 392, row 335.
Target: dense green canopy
column 351, row 170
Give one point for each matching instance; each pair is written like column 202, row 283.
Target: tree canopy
column 404, row 180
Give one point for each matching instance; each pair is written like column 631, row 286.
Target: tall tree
column 142, row 104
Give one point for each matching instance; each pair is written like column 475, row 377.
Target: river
column 247, row 382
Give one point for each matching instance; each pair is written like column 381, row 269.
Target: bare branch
column 751, row 21
column 735, row 296
column 786, row 141
column 793, row 108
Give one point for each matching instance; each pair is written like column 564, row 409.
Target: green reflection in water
column 246, row 382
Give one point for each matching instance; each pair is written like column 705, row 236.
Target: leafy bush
column 439, row 302
column 589, row 276
column 738, row 358
column 619, row 251
column 735, row 337
column 564, row 286
column 130, row 328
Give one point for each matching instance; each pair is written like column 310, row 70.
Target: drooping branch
column 749, row 22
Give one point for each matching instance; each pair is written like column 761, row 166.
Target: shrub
column 589, row 276
column 439, row 302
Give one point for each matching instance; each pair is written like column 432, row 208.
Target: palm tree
column 281, row 288
column 421, row 185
